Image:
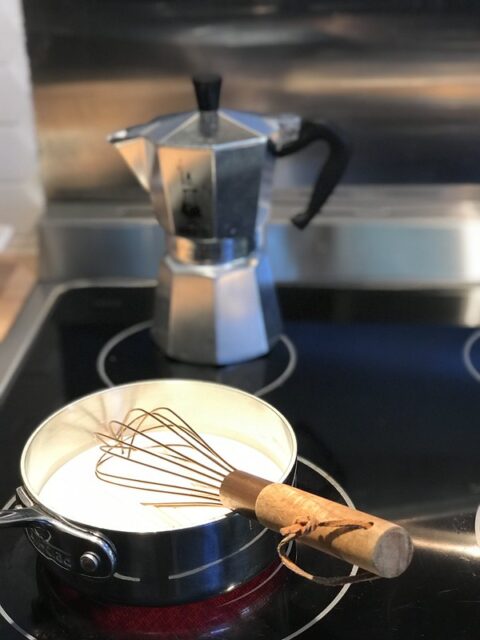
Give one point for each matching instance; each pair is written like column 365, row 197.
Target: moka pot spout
column 137, row 151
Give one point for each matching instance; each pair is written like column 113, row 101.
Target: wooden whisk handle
column 376, row 545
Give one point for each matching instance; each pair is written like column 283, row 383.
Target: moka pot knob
column 207, row 90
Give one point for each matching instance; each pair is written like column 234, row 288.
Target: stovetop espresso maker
column 209, row 174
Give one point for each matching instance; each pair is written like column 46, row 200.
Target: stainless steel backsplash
column 401, row 78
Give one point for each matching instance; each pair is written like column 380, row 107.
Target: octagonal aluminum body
column 218, row 314
column 208, row 173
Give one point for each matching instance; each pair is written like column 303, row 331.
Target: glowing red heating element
column 215, row 615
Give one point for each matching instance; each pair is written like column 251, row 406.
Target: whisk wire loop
column 181, row 453
column 189, row 432
column 111, row 450
column 180, row 431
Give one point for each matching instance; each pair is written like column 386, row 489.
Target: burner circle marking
column 354, row 570
column 289, row 369
column 467, row 355
column 110, row 344
column 141, row 326
column 3, row 613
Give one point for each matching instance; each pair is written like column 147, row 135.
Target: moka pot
column 209, row 174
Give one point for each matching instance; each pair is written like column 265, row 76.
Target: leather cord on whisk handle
column 375, row 545
column 330, row 173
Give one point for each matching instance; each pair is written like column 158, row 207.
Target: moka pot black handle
column 331, row 171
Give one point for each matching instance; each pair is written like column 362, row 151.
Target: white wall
column 21, row 194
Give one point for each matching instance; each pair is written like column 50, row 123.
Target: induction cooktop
column 385, row 416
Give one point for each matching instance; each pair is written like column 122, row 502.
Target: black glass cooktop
column 386, row 411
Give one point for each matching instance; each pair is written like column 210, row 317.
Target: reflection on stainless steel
column 403, row 83
column 17, row 342
column 449, row 543
column 442, row 526
column 367, row 237
column 436, row 540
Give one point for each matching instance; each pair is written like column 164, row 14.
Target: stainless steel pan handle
column 20, row 518
column 69, row 546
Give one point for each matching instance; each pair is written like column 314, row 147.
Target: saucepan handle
column 69, row 546
column 20, row 517
column 376, row 545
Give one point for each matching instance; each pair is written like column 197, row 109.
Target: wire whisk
column 157, row 451
column 181, row 454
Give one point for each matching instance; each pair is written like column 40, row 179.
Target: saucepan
column 109, row 550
